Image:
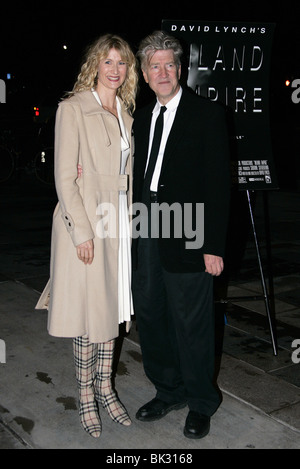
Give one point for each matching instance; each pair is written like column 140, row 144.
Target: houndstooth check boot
column 104, row 392
column 85, row 357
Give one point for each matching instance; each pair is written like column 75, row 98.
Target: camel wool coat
column 83, row 299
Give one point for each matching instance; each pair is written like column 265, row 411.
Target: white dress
column 124, row 264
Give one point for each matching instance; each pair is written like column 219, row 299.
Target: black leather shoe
column 196, row 425
column 156, row 409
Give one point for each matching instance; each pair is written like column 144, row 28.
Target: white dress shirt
column 169, row 116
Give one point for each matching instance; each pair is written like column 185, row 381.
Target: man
column 173, row 276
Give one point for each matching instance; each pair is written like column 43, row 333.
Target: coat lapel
column 175, row 135
column 143, row 138
column 88, row 103
column 177, row 130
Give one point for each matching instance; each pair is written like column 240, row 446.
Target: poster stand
column 230, row 62
column 262, row 277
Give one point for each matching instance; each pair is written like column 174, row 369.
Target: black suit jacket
column 195, row 169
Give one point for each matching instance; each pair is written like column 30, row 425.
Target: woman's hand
column 79, row 170
column 85, row 251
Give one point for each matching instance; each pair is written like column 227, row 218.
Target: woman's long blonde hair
column 87, row 78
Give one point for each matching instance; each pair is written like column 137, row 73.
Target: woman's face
column 112, row 71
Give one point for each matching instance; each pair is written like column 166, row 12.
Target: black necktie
column 154, row 149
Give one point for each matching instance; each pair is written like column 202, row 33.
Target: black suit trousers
column 175, row 320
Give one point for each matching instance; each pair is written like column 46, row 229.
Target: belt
column 153, row 196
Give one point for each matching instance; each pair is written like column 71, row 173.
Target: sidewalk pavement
column 38, row 396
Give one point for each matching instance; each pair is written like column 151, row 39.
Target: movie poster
column 230, row 63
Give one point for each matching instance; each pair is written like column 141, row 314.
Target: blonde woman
column 89, row 287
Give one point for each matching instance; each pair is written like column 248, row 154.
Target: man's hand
column 214, row 264
column 85, row 251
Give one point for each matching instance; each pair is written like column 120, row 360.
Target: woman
column 89, row 288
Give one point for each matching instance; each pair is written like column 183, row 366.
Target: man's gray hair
column 158, row 41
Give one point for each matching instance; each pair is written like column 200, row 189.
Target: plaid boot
column 104, row 393
column 85, row 357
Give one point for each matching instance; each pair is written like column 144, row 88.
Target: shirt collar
column 171, row 105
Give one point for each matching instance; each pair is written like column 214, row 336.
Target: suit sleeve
column 217, row 183
column 66, row 160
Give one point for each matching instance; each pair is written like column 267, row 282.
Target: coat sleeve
column 66, row 160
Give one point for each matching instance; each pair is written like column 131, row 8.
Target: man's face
column 162, row 75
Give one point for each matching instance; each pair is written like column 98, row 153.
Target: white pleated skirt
column 124, row 267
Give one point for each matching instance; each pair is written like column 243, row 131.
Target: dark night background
column 33, row 35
